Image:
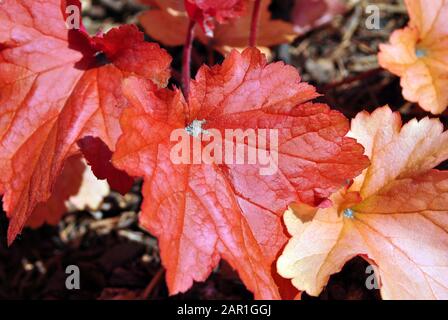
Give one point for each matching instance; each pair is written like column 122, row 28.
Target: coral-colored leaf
column 99, row 157
column 76, row 188
column 205, row 12
column 159, row 21
column 419, row 55
column 58, row 85
column 400, row 221
column 202, row 212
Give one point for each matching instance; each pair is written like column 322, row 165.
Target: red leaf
column 202, row 212
column 204, row 12
column 98, row 156
column 55, row 88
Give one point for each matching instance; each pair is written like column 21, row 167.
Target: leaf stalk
column 186, row 59
column 254, row 24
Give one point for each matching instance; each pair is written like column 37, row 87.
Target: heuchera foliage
column 57, row 87
column 419, row 55
column 167, row 22
column 202, row 212
column 206, row 12
column 68, row 184
column 65, row 94
column 394, row 214
column 76, row 188
column 99, row 156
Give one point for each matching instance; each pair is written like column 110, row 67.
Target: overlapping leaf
column 205, row 12
column 76, row 188
column 203, row 212
column 167, row 22
column 307, row 14
column 99, row 156
column 395, row 214
column 67, row 185
column 58, row 85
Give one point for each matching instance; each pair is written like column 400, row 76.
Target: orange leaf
column 76, row 188
column 400, row 223
column 67, row 185
column 58, row 85
column 202, row 212
column 419, row 55
column 159, row 21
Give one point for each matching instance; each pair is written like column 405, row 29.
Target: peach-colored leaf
column 91, row 193
column 419, row 55
column 399, row 223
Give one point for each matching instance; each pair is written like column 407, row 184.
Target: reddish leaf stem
column 186, row 59
column 154, row 282
column 254, row 24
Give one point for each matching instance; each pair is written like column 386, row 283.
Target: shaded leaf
column 99, row 158
column 67, row 185
column 159, row 21
column 308, row 14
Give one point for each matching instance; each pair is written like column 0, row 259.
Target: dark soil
column 117, row 260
